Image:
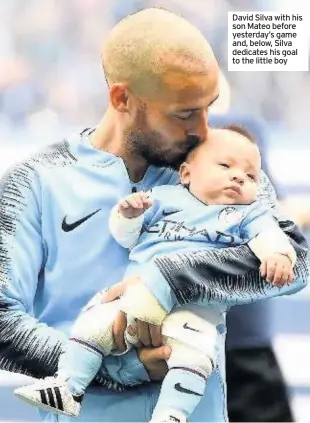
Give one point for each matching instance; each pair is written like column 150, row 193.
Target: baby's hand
column 277, row 269
column 134, row 204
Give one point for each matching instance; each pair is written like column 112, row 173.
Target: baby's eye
column 224, row 165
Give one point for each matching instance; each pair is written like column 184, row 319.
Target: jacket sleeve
column 227, row 276
column 26, row 345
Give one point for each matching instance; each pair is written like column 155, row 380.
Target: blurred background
column 51, row 85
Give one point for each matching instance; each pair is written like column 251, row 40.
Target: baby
column 214, row 207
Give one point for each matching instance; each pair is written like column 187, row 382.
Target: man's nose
column 200, row 129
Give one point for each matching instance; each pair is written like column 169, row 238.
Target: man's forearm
column 229, row 276
column 224, row 277
column 32, row 348
column 27, row 346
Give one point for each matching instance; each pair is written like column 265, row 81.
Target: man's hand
column 134, row 204
column 154, row 361
column 149, row 335
column 277, row 269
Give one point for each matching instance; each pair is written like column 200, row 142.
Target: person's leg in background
column 256, row 390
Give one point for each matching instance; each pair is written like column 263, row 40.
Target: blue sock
column 80, row 364
column 182, row 390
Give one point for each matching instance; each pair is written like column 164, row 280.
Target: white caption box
column 268, row 41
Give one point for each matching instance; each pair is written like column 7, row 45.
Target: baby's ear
column 184, row 173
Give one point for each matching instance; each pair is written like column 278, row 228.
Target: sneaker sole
column 45, row 407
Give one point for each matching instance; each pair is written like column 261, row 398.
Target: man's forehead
column 187, row 82
column 189, row 87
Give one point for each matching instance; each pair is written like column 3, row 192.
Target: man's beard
column 148, row 145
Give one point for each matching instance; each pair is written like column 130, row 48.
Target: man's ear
column 185, row 173
column 119, row 97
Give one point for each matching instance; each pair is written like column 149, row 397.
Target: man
column 56, row 250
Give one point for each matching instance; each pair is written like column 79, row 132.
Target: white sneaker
column 51, row 394
column 169, row 416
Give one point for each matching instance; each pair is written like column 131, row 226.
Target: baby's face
column 224, row 169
